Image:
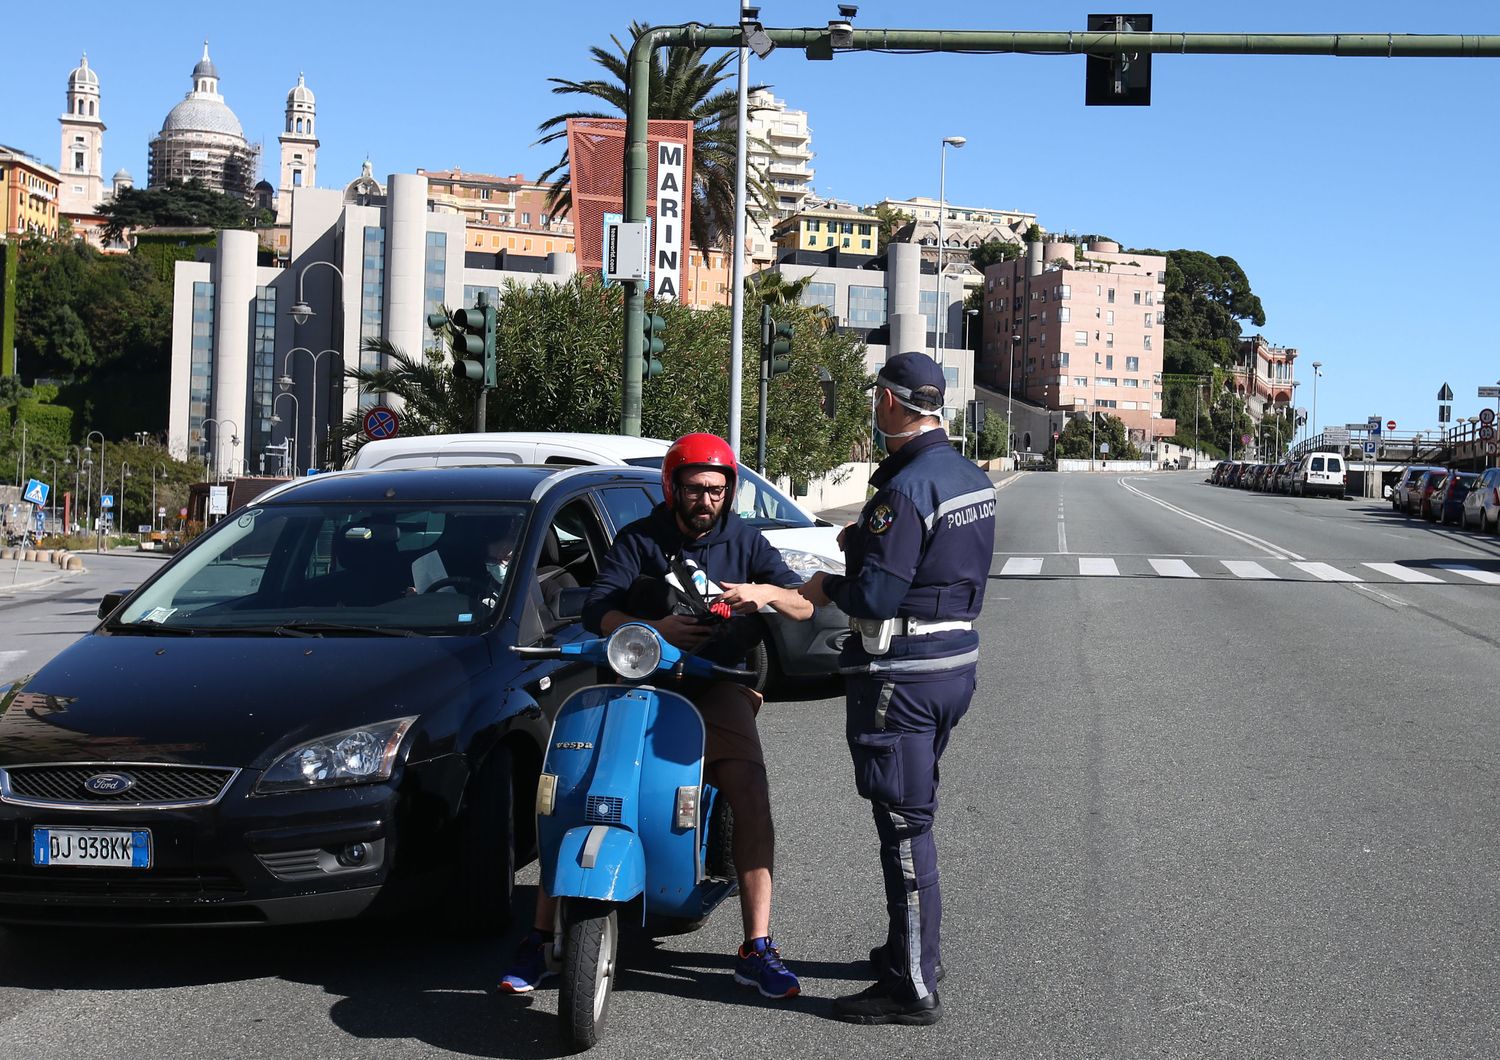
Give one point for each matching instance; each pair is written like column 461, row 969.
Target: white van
column 1323, row 473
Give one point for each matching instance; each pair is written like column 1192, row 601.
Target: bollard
column 74, row 563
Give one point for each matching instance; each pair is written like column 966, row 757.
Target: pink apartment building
column 1078, row 329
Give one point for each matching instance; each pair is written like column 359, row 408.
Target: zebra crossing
column 1208, row 567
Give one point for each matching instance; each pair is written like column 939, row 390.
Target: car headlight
column 354, row 756
column 806, row 564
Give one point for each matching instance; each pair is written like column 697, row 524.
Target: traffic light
column 775, row 345
column 1122, row 79
column 653, row 325
column 473, row 338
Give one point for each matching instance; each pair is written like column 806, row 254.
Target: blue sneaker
column 760, row 966
column 528, row 968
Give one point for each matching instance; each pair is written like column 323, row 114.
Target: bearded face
column 701, row 497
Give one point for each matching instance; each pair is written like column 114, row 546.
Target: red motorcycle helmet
column 692, row 451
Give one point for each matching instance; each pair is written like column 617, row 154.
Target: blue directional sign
column 36, row 492
column 1370, row 448
column 107, row 501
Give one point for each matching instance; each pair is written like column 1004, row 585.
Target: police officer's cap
column 906, row 373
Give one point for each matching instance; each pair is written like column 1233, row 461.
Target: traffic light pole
column 765, row 387
column 1075, row 42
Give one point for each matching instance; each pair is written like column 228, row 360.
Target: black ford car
column 313, row 712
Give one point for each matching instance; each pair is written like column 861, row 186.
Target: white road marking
column 1402, row 573
column 1327, row 572
column 1096, row 567
column 1274, row 551
column 1487, row 577
column 1173, row 568
column 1020, row 566
column 1393, row 600
column 1062, row 530
column 1244, row 568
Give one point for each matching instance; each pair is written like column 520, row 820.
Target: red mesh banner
column 596, row 164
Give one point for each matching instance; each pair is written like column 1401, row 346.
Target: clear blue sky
column 1360, row 195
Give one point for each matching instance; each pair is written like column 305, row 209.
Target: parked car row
column 1315, row 473
column 1444, row 495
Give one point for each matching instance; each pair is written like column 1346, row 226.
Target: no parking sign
column 380, row 422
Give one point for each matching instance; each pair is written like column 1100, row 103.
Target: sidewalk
column 29, row 575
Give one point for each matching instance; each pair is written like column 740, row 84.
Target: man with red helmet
column 696, row 535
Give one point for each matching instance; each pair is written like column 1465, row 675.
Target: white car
column 807, row 544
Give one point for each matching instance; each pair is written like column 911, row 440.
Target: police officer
column 917, row 561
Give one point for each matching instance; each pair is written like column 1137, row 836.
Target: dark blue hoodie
column 731, row 552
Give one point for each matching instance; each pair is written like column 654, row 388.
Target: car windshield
column 336, row 569
column 757, row 502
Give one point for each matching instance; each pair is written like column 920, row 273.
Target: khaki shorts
column 729, row 713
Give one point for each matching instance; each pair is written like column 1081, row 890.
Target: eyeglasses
column 696, row 492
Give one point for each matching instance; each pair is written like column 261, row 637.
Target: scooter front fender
column 597, row 861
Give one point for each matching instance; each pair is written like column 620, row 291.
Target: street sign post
column 1489, row 391
column 1390, row 425
column 218, row 500
column 36, row 492
column 380, row 422
column 107, row 501
column 1374, row 426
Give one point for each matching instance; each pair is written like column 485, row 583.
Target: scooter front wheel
column 590, row 944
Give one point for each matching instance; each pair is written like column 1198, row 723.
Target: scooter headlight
column 633, row 651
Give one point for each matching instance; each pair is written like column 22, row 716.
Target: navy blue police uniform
column 920, row 552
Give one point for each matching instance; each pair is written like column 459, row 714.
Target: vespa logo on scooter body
column 573, row 745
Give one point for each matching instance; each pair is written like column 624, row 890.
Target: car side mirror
column 570, row 602
column 112, row 600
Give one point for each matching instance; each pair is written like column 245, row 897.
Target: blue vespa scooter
column 623, row 813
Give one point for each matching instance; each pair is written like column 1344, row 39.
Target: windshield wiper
column 318, row 629
column 151, row 629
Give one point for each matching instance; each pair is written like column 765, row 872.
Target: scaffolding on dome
column 230, row 168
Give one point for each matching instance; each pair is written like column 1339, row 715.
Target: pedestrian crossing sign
column 36, row 492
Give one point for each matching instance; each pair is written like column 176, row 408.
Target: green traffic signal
column 653, row 325
column 474, row 343
column 650, row 366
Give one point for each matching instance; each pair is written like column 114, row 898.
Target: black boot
column 880, row 963
column 876, row 1005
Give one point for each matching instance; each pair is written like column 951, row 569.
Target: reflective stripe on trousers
column 897, row 732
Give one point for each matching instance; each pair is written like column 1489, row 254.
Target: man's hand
column 812, row 590
column 843, row 541
column 748, row 597
column 683, row 632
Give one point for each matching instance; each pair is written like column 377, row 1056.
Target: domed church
column 201, row 138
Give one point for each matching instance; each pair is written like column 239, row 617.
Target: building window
column 201, row 357
column 1110, row 298
column 815, row 226
column 867, row 307
column 864, row 244
column 526, row 218
column 1132, row 364
column 546, row 220
column 1080, row 338
column 262, row 373
column 1137, row 297
column 1080, row 380
column 822, row 294
column 1064, row 315
column 1109, row 317
column 1146, row 342
column 1109, row 340
column 372, row 294
column 1107, row 380
column 1062, row 291
column 1147, row 321
column 78, row 161
column 1131, row 383
column 296, row 178
column 1109, row 360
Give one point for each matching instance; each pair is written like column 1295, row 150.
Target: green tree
column 1080, row 438
column 987, row 254
column 890, row 221
column 684, row 87
column 1033, row 233
column 188, row 205
column 559, row 364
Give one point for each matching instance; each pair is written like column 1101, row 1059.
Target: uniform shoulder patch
column 881, row 518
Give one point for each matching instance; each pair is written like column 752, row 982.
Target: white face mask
column 498, row 569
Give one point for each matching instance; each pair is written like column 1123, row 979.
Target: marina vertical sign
column 667, row 258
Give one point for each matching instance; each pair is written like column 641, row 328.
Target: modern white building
column 371, row 262
column 780, row 147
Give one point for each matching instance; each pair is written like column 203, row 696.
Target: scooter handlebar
column 538, row 653
column 729, row 673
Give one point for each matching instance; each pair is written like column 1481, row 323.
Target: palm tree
column 775, row 289
column 433, row 399
column 685, row 88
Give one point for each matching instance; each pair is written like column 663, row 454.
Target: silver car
column 1482, row 503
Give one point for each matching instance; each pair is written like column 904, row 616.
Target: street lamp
column 120, row 504
column 1317, row 374
column 287, row 383
column 155, row 468
column 234, row 440
column 1010, row 374
column 942, row 310
column 296, row 418
column 301, row 311
column 53, row 490
column 90, row 480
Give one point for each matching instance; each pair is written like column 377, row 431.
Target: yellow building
column 826, row 228
column 28, row 195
